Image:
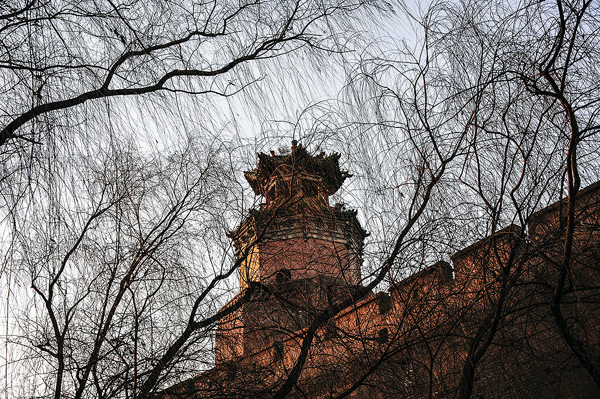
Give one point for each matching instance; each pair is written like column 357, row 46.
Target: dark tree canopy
column 57, row 55
column 114, row 245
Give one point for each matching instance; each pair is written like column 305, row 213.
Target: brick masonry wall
column 413, row 341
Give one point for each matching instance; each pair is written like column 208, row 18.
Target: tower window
column 383, row 336
column 277, row 350
column 283, row 275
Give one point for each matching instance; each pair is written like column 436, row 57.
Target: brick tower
column 299, row 254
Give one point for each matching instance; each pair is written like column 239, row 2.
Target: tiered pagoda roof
column 322, row 167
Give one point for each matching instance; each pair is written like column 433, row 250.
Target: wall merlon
column 431, row 278
column 547, row 219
